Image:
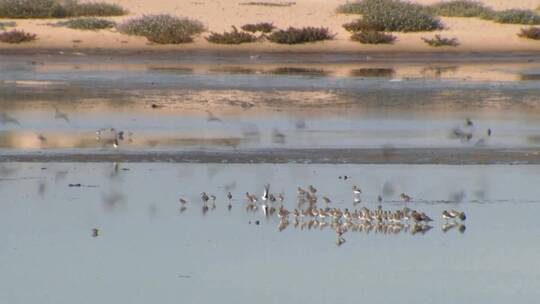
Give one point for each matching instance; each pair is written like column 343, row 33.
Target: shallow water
column 258, row 105
column 147, row 250
column 168, row 132
column 272, row 113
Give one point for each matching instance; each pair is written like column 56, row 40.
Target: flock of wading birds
column 311, row 213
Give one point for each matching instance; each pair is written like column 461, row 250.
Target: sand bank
column 474, row 35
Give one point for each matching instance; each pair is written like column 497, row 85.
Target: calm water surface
column 149, row 251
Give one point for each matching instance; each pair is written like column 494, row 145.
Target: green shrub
column 87, row 23
column 438, row 40
column 397, row 16
column 263, row 27
column 162, row 29
column 461, row 8
column 516, row 16
column 361, row 25
column 271, row 4
column 350, row 8
column 17, row 36
column 373, row 37
column 233, row 37
column 294, row 35
column 530, row 33
column 56, row 9
column 98, row 9
column 32, row 9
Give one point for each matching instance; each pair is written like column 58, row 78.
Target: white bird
column 266, row 193
column 356, row 190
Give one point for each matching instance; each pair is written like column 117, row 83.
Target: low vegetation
column 530, row 33
column 270, row 4
column 96, row 9
column 162, row 29
column 517, row 16
column 17, row 36
column 32, row 9
column 263, row 27
column 373, row 37
column 361, row 25
column 350, row 8
column 468, row 8
column 461, row 8
column 438, row 41
column 232, row 37
column 396, row 15
column 393, row 15
column 294, row 35
column 87, row 23
column 57, row 9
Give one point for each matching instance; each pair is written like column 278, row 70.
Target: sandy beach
column 474, row 35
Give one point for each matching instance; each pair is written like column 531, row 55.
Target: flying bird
column 60, row 115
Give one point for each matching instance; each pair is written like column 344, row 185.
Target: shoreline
column 233, row 56
column 410, row 156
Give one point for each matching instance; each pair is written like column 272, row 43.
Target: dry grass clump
column 394, row 15
column 530, row 33
column 17, row 36
column 461, row 8
column 232, row 37
column 373, row 37
column 293, row 35
column 162, row 29
column 438, row 41
column 263, row 27
column 87, row 23
column 57, row 9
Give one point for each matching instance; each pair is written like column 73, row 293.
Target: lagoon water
column 147, row 250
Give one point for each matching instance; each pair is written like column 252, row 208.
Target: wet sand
column 143, row 238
